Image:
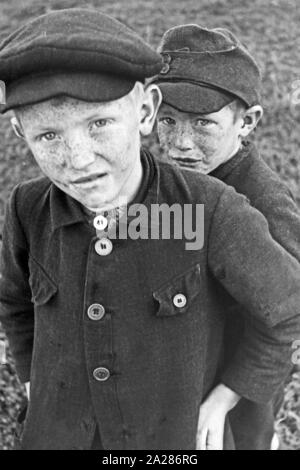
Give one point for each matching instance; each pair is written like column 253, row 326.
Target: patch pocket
column 42, row 286
column 177, row 296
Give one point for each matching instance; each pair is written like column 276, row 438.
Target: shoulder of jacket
column 267, row 182
column 257, row 167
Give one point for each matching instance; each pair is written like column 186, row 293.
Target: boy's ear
column 151, row 102
column 251, row 118
column 17, row 127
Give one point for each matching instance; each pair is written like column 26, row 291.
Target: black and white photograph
column 149, row 227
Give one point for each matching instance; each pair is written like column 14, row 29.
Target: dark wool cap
column 77, row 52
column 204, row 70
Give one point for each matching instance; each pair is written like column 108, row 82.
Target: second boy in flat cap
column 121, row 338
column 211, row 103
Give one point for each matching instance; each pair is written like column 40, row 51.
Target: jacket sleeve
column 283, row 217
column 265, row 279
column 16, row 308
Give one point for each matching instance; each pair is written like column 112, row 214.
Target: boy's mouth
column 187, row 161
column 88, row 179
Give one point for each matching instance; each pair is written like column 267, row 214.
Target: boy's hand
column 212, row 415
column 27, row 386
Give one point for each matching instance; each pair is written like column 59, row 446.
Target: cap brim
column 194, row 98
column 91, row 87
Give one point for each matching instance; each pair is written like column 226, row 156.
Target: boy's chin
column 87, row 200
column 96, row 205
column 93, row 206
column 90, row 203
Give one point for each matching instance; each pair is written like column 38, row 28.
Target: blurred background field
column 270, row 29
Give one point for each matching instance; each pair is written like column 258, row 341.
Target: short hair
column 238, row 107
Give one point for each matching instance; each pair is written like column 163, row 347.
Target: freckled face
column 200, row 142
column 89, row 150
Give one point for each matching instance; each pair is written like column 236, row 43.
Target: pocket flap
column 42, row 286
column 176, row 296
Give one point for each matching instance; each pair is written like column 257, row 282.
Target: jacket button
column 103, row 247
column 96, row 312
column 100, row 222
column 179, row 300
column 101, row 374
column 167, row 60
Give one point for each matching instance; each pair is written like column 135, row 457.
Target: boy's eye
column 48, row 136
column 100, row 123
column 203, row 122
column 168, row 121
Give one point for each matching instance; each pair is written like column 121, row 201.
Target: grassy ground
column 270, row 28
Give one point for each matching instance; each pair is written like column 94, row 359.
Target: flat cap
column 79, row 52
column 205, row 69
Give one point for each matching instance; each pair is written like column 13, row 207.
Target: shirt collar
column 65, row 210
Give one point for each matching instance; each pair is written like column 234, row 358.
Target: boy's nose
column 80, row 160
column 184, row 147
column 183, row 142
column 81, row 154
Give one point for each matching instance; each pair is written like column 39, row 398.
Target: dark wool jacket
column 249, row 175
column 253, row 425
column 163, row 359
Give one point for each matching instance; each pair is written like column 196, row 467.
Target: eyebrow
column 175, row 113
column 56, row 126
column 167, row 111
column 97, row 116
column 204, row 116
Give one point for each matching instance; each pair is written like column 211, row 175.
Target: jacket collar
column 226, row 168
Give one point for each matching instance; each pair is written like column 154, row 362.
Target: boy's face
column 200, row 142
column 89, row 150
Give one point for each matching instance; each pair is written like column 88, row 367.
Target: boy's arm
column 265, row 279
column 283, row 217
column 16, row 308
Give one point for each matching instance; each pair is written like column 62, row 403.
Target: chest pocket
column 42, row 286
column 179, row 294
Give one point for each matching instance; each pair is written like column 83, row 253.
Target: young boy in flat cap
column 121, row 337
column 211, row 103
